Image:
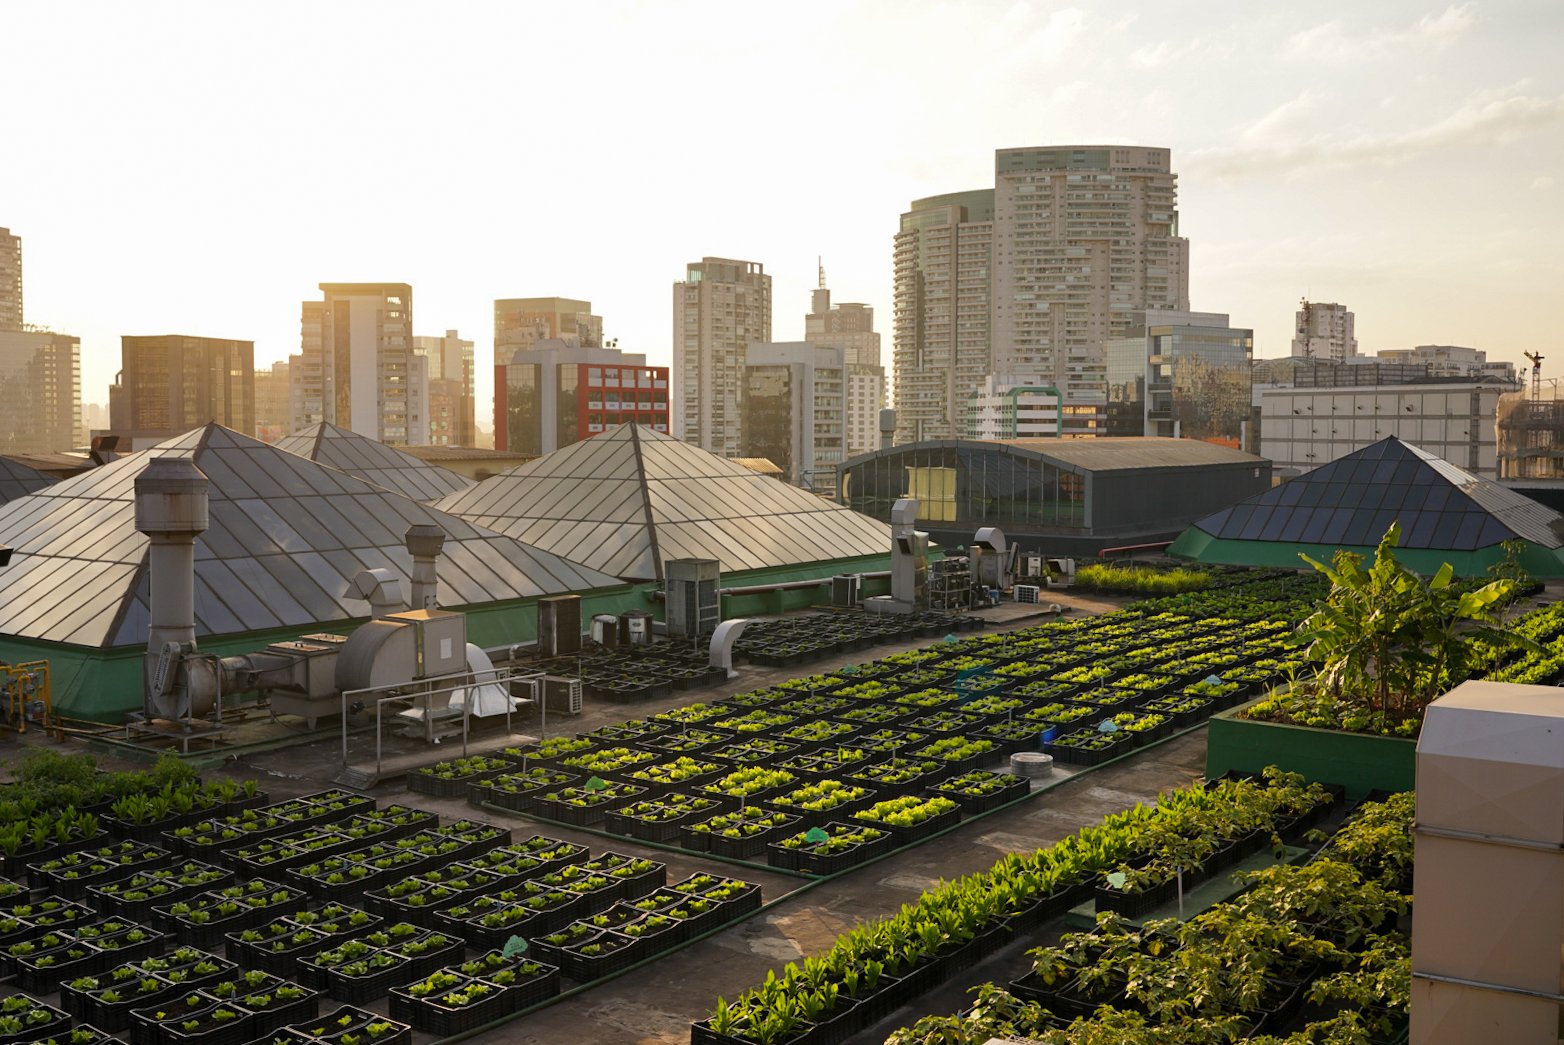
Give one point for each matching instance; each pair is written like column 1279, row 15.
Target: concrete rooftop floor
column 654, row 1005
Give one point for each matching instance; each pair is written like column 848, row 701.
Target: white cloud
column 1152, row 56
column 1542, row 182
column 1270, row 145
column 1333, row 42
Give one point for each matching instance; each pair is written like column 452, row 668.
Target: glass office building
column 1181, row 375
column 1120, row 490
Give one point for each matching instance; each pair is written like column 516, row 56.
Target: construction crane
column 1536, row 374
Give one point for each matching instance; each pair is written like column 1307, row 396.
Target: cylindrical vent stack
column 887, row 428
column 425, row 542
column 171, row 509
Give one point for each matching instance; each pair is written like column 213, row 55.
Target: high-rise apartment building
column 1324, row 332
column 523, row 322
column 559, row 392
column 1028, row 280
column 1182, row 374
column 850, row 327
column 40, row 385
column 452, row 408
column 272, row 411
column 1085, row 237
column 10, row 281
column 1452, row 361
column 720, row 308
column 170, row 383
column 356, row 367
column 940, row 342
column 794, row 409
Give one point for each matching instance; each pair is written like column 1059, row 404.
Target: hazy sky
column 200, row 167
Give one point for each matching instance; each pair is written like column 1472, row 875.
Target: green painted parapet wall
column 102, row 685
column 1360, row 762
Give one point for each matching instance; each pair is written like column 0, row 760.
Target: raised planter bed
column 846, row 846
column 601, row 955
column 518, row 792
column 44, row 969
column 278, row 1005
column 1360, row 762
column 365, row 1028
column 818, row 804
column 1088, row 747
column 981, row 791
column 32, row 1018
column 447, row 1003
column 451, row 779
column 68, row 876
column 909, row 818
column 740, row 835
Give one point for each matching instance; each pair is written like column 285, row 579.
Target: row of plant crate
column 878, row 966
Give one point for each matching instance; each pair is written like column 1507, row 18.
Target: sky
column 199, row 168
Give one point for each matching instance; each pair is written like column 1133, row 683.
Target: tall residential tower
column 850, row 327
column 940, row 343
column 1325, row 332
column 356, row 367
column 10, row 281
column 721, row 306
column 1020, row 286
column 171, row 383
column 452, row 407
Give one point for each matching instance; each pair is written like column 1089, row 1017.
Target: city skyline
column 1392, row 158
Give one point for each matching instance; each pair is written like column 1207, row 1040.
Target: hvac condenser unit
column 559, row 625
column 694, row 605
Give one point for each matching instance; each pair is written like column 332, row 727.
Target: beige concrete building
column 523, row 322
column 273, row 415
column 1304, row 428
column 170, row 383
column 40, row 385
column 850, row 327
column 10, row 281
column 1324, row 331
column 1086, row 238
column 356, row 367
column 719, row 309
column 452, row 407
column 794, row 410
column 1452, row 361
column 940, row 338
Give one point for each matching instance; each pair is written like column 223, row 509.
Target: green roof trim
column 1199, row 546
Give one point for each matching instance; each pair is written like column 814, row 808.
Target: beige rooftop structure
column 626, row 501
column 1488, row 954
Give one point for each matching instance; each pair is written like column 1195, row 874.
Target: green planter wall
column 1357, row 761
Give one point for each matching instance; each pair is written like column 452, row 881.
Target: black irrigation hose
column 812, row 882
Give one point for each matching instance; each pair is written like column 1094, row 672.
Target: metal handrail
column 414, row 689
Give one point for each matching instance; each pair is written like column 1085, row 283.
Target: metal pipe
column 425, row 542
column 171, row 509
column 660, row 595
